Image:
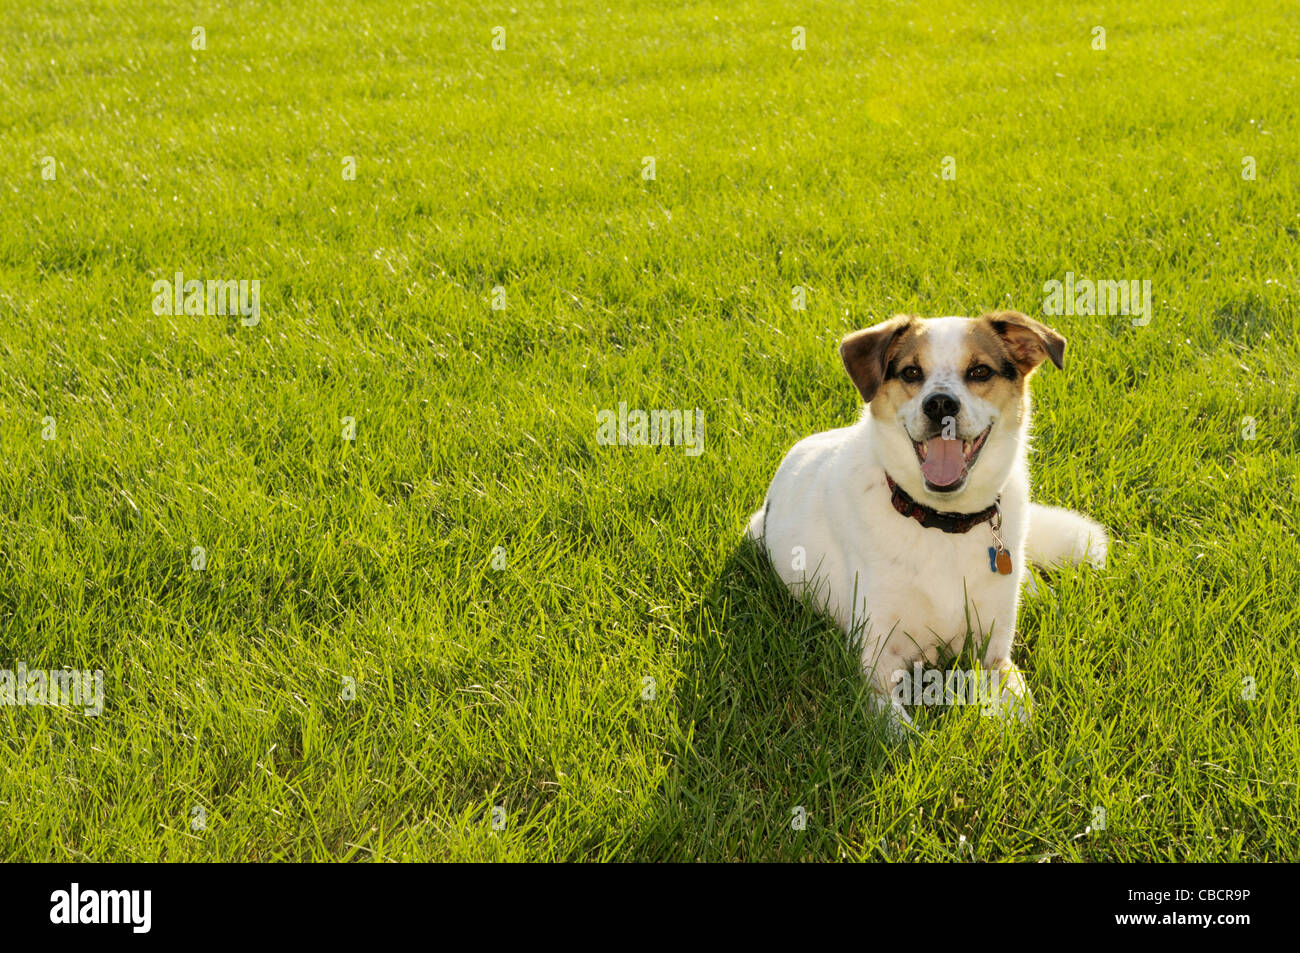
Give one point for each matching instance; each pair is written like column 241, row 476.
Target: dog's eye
column 911, row 374
column 980, row 372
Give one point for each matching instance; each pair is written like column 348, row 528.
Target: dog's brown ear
column 866, row 353
column 1028, row 341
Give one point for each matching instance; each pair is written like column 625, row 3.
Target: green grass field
column 131, row 438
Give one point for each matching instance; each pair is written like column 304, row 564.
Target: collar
column 933, row 519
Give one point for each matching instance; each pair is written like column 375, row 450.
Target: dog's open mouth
column 946, row 463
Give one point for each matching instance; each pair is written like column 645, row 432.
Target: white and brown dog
column 911, row 527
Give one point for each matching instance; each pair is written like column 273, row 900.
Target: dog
column 911, row 528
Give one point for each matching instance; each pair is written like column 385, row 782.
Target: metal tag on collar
column 999, row 558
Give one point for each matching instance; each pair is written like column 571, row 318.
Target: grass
column 522, row 687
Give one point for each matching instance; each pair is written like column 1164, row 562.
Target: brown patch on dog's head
column 990, row 370
column 1026, row 342
column 867, row 353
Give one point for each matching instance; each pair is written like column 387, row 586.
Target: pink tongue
column 944, row 461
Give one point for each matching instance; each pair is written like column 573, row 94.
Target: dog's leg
column 897, row 720
column 1007, row 694
column 1060, row 537
column 886, row 670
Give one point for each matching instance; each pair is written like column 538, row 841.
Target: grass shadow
column 774, row 725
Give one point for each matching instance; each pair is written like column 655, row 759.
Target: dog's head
column 949, row 399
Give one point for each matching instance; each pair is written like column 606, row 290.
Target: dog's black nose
column 939, row 405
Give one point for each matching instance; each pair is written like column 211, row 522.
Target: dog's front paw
column 897, row 723
column 1007, row 696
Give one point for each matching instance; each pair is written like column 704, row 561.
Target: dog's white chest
column 900, row 589
column 929, row 590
